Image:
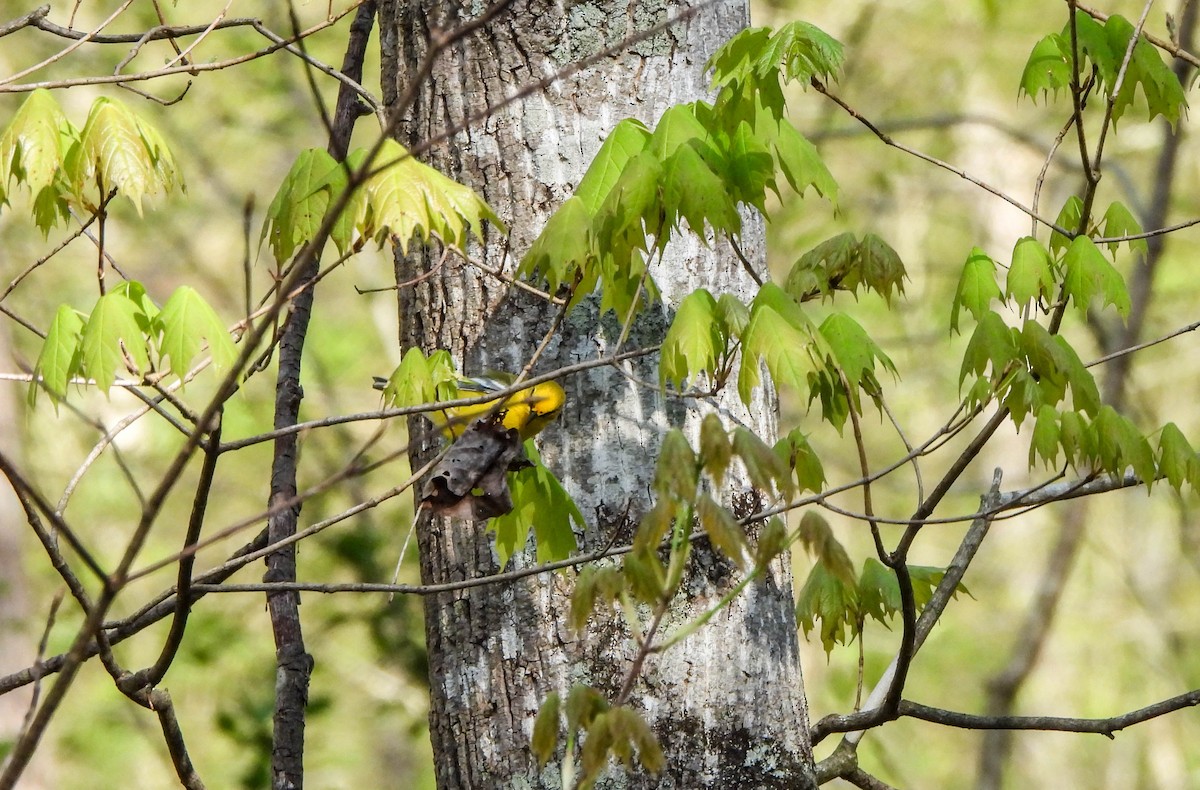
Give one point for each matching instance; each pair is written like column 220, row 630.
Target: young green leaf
column 60, row 357
column 584, row 704
column 112, row 340
column 781, row 335
column 724, row 533
column 694, row 342
column 800, row 457
column 677, row 471
column 31, row 147
column 692, row 190
column 298, row 208
column 828, row 598
column 1089, row 274
column 856, row 353
column 765, row 468
column 645, row 574
column 1120, row 446
column 545, row 729
column 562, row 248
column 1177, row 461
column 772, row 541
column 634, row 730
column 715, row 450
column 1047, row 69
column 1030, row 277
column 408, row 198
column 992, row 343
column 627, row 139
column 1045, row 438
column 187, row 322
column 880, row 592
column 119, row 150
column 1068, row 219
column 977, row 287
column 817, row 537
column 540, row 503
column 1118, row 221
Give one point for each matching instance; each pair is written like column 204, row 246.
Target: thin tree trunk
column 728, row 704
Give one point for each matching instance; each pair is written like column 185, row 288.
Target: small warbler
column 528, row 410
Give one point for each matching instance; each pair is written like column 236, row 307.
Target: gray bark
column 728, row 703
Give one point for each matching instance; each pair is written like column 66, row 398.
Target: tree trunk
column 727, row 704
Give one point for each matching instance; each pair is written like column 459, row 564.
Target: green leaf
column 545, row 729
column 634, row 730
column 817, row 537
column 976, row 287
column 879, row 590
column 715, row 450
column 627, row 139
column 772, row 541
column 112, row 340
column 412, row 383
column 992, row 343
column 1118, row 221
column 801, row 163
column 1069, row 219
column 122, row 151
column 882, row 269
column 804, row 50
column 676, row 473
column 1176, row 458
column 60, row 357
column 751, row 169
column 779, row 334
column 584, row 704
column 1089, row 274
column 1045, row 438
column 694, row 342
column 724, row 533
column 1077, row 438
column 187, row 322
column 732, row 314
column 763, row 466
column 828, row 598
column 1047, row 69
column 1120, row 446
column 855, row 351
column 1030, row 277
column 647, row 578
column 678, row 128
column 693, row 191
column 31, row 147
column 800, row 457
column 562, row 248
column 539, row 502
column 738, row 57
column 1160, row 87
column 596, row 747
column 593, row 583
column 298, row 208
column 408, row 198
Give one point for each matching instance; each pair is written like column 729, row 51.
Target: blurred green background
column 941, row 77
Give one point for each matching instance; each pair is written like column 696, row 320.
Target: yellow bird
column 528, row 410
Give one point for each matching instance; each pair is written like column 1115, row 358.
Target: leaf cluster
column 1102, row 50
column 64, row 167
column 607, row 731
column 700, row 164
column 842, row 600
column 125, row 332
column 832, row 362
column 684, row 479
column 400, row 198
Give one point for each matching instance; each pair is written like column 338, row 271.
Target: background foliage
column 1122, row 637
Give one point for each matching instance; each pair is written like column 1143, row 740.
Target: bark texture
column 728, row 703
